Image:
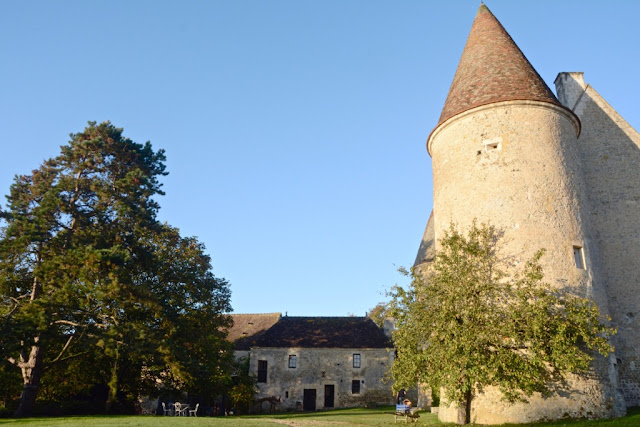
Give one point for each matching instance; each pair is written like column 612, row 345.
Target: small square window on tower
column 493, row 144
column 578, row 256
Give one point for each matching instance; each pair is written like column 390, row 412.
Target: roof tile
column 246, row 327
column 492, row 69
column 323, row 332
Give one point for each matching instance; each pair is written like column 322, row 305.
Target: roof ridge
column 255, row 314
column 330, row 317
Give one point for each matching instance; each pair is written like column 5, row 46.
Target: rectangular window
column 492, row 144
column 262, row 371
column 355, row 387
column 356, row 360
column 578, row 255
column 292, row 360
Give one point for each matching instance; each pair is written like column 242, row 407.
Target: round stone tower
column 504, row 152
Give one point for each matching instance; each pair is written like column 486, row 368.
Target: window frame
column 355, row 387
column 263, row 368
column 293, row 361
column 578, row 257
column 357, row 357
column 491, row 145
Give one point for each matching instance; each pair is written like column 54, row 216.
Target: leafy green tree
column 243, row 392
column 466, row 325
column 192, row 325
column 380, row 312
column 86, row 270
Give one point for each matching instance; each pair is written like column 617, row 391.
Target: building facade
column 312, row 363
column 553, row 173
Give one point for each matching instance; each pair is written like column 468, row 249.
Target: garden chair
column 166, row 411
column 180, row 410
column 194, row 412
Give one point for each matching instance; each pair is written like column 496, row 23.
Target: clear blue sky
column 295, row 130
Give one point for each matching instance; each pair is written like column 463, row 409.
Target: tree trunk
column 113, row 384
column 463, row 415
column 32, row 367
column 31, row 372
column 467, row 407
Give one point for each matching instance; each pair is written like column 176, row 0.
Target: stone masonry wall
column 316, row 368
column 610, row 156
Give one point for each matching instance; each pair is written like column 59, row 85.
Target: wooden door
column 329, row 392
column 309, row 399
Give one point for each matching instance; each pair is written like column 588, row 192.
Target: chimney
column 388, row 325
column 569, row 87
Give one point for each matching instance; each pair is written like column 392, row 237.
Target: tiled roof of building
column 492, row 69
column 247, row 327
column 323, row 332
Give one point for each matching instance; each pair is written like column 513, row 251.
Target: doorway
column 309, row 399
column 329, row 392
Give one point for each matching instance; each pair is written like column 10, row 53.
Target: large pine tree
column 86, row 267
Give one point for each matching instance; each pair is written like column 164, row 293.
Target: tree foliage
column 380, row 312
column 464, row 324
column 87, row 271
column 244, row 389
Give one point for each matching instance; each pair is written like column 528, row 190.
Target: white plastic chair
column 184, row 410
column 194, row 412
column 164, row 408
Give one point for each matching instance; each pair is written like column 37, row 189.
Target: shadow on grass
column 341, row 412
column 366, row 416
column 382, row 416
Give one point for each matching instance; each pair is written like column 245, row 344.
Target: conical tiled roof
column 492, row 69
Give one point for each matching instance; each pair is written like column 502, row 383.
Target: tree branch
column 66, row 346
column 78, row 325
column 67, row 322
column 71, row 356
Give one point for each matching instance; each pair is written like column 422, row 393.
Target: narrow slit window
column 493, row 146
column 578, row 256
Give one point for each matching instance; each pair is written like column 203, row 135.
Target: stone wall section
column 609, row 151
column 513, row 164
column 316, row 368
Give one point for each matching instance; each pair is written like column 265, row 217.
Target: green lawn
column 339, row 417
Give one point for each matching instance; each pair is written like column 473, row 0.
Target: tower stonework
column 610, row 157
column 508, row 152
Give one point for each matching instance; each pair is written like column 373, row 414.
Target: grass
column 339, row 417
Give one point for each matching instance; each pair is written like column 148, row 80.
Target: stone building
column 310, row 363
column 555, row 173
